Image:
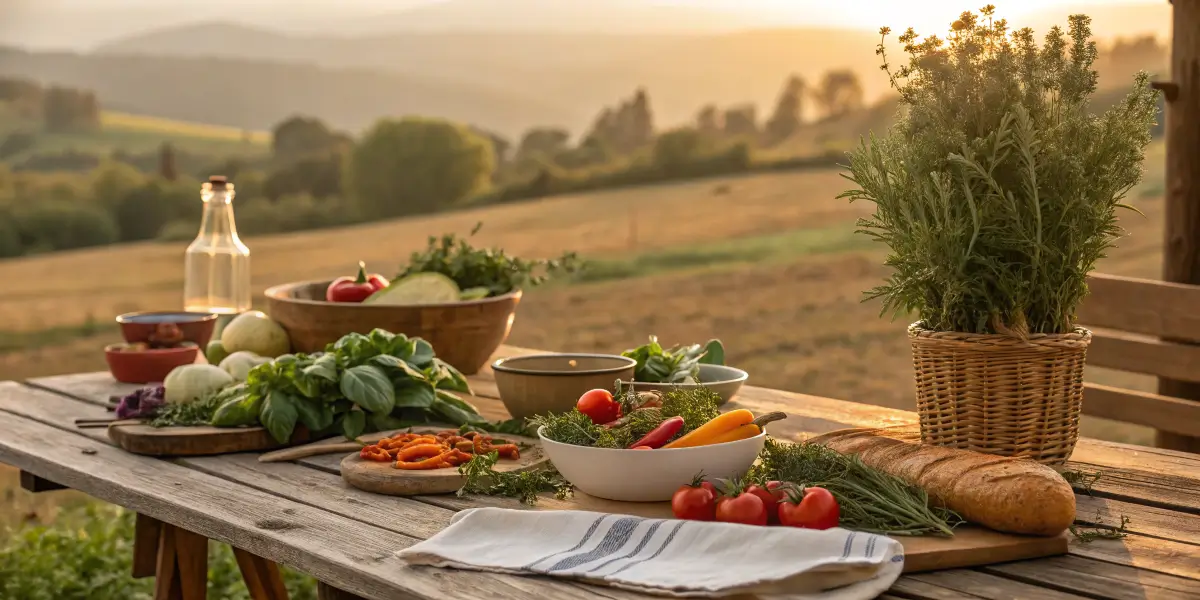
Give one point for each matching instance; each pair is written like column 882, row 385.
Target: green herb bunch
column 869, row 499
column 378, row 382
column 480, row 477
column 489, row 268
column 997, row 189
column 696, row 405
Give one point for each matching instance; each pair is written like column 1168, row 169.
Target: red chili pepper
column 351, row 289
column 662, row 434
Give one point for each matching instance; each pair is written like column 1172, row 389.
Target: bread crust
column 1012, row 495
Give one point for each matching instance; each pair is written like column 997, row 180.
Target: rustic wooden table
column 302, row 515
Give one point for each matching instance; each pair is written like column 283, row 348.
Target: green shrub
column 87, row 555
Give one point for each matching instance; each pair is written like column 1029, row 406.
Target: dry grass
column 796, row 324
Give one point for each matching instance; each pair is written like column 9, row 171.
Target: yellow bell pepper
column 723, row 424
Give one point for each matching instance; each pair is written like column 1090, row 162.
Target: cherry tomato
column 770, row 499
column 814, row 508
column 695, row 503
column 745, row 508
column 599, row 406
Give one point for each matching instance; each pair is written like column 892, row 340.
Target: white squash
column 239, row 364
column 188, row 383
column 255, row 332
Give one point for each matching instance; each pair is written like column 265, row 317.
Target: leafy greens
column 680, row 364
column 372, row 382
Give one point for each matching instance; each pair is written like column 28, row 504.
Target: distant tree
column 166, row 162
column 627, row 128
column 708, row 121
column 417, row 165
column 10, row 234
column 300, row 137
column 317, row 177
column 741, row 121
column 16, row 143
column 500, row 144
column 143, row 212
column 788, row 115
column 675, row 149
column 839, row 93
column 114, row 180
column 70, row 110
column 23, row 96
column 50, row 225
column 544, row 141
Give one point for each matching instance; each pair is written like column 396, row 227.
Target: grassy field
column 138, row 134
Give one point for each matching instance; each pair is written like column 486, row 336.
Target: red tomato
column 708, row 485
column 770, row 499
column 599, row 405
column 745, row 508
column 816, row 509
column 695, row 503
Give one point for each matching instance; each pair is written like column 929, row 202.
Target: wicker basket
column 1000, row 394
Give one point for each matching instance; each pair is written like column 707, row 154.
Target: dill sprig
column 997, row 190
column 482, row 478
column 1081, row 479
column 869, row 499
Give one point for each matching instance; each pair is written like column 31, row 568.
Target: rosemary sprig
column 483, row 479
column 870, row 500
column 1087, row 532
column 1081, row 479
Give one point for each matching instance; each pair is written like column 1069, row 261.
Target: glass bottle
column 216, row 275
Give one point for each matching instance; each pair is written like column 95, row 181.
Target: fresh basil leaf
column 381, row 340
column 325, row 367
column 422, row 354
column 368, row 387
column 714, row 353
column 413, row 415
column 402, row 347
column 452, row 380
column 315, row 415
column 279, row 416
column 391, row 363
column 238, row 411
column 416, row 394
column 308, row 386
column 353, row 424
column 456, row 410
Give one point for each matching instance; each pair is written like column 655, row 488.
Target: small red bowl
column 147, row 366
column 196, row 326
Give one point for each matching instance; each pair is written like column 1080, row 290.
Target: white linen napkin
column 666, row 556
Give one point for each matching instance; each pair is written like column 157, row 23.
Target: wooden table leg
column 35, row 484
column 182, row 565
column 328, row 592
column 262, row 576
column 147, row 533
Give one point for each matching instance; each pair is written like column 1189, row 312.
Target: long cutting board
column 196, row 441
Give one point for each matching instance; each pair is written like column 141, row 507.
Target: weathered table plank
column 1098, row 579
column 353, row 555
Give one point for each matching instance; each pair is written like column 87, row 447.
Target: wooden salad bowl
column 464, row 334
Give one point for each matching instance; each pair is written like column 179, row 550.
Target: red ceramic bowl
column 140, row 326
column 147, row 366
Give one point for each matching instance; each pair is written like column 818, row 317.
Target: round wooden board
column 383, row 478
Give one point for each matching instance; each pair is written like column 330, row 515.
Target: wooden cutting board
column 971, row 546
column 196, row 441
column 383, row 478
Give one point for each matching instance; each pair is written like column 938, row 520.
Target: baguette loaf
column 1006, row 494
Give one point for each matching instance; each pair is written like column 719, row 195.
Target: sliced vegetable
column 419, row 288
column 475, row 293
column 810, row 508
column 355, row 289
column 723, row 423
column 662, row 434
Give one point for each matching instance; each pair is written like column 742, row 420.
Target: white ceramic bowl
column 648, row 475
column 725, row 381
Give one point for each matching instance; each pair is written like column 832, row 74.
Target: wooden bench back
column 1137, row 325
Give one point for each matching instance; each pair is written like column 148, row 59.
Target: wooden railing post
column 1181, row 256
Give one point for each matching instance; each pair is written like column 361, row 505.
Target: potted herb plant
column 996, row 192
